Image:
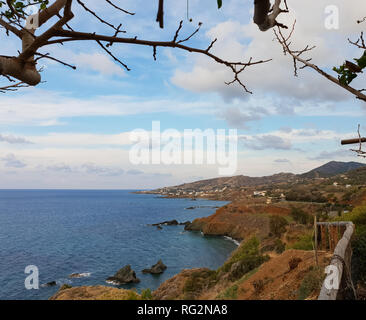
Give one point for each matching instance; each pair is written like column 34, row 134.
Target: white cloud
column 97, row 62
column 12, row 162
column 29, row 109
column 13, row 139
column 237, row 41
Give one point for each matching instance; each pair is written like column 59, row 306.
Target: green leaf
column 219, row 3
column 362, row 61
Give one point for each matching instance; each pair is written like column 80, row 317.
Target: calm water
column 98, row 232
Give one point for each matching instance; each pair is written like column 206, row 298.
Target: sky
column 73, row 130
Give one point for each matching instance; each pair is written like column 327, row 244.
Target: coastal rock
column 190, row 208
column 189, row 227
column 79, row 275
column 185, row 223
column 159, row 227
column 166, row 223
column 124, row 275
column 157, row 268
column 238, row 220
column 94, row 293
column 50, row 284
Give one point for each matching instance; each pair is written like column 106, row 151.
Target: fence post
column 316, row 241
column 323, row 234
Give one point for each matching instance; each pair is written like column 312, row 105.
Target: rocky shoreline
column 126, row 275
column 236, row 221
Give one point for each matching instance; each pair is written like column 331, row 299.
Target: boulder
column 157, row 268
column 124, row 275
column 185, row 223
column 189, row 227
column 166, row 223
column 50, row 284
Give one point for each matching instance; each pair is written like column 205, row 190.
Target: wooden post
column 331, row 247
column 336, row 234
column 323, row 239
column 316, row 241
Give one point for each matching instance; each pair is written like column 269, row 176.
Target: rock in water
column 124, row 275
column 166, row 223
column 185, row 223
column 49, row 284
column 157, row 268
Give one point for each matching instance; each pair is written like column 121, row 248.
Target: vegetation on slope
column 358, row 217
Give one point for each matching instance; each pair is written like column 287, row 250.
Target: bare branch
column 296, row 56
column 95, row 15
column 120, row 9
column 360, row 43
column 113, row 56
column 67, row 36
column 359, row 151
column 14, row 86
column 10, row 28
column 160, row 14
column 47, row 56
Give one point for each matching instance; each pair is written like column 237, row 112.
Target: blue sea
column 96, row 233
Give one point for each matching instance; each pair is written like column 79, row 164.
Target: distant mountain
column 233, row 182
column 329, row 169
column 332, row 169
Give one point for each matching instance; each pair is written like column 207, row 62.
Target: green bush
column 279, row 246
column 132, row 295
column 300, row 216
column 146, row 294
column 65, row 286
column 312, row 281
column 277, row 225
column 305, row 242
column 230, row 293
column 198, row 281
column 249, row 256
column 358, row 217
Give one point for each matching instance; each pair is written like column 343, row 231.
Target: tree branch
column 296, row 56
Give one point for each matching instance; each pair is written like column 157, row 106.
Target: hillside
column 236, row 182
column 331, row 169
column 225, row 188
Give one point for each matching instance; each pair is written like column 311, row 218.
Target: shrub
column 132, row 295
column 146, row 294
column 279, row 246
column 300, row 216
column 312, row 281
column 246, row 258
column 305, row 242
column 230, row 293
column 358, row 217
column 277, row 225
column 65, row 286
column 198, row 281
